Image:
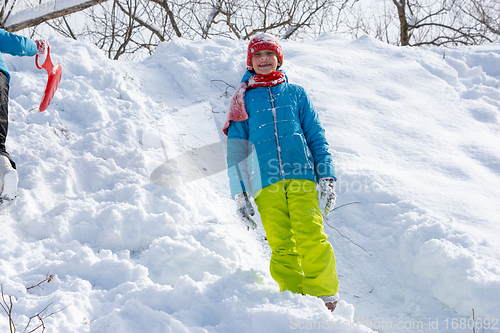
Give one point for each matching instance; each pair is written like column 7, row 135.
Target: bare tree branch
column 49, row 16
column 170, row 14
column 141, row 22
column 5, row 11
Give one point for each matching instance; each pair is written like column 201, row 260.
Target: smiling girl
column 277, row 152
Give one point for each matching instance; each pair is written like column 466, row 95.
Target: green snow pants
column 302, row 259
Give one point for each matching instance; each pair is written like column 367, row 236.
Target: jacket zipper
column 282, row 172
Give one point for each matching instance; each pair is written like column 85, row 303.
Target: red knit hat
column 264, row 42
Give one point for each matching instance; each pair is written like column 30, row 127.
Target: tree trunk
column 403, row 24
column 52, row 15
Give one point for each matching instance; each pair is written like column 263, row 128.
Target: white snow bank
column 414, row 137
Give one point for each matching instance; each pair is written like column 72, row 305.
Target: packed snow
column 414, row 133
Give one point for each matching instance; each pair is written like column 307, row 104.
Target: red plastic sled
column 55, row 72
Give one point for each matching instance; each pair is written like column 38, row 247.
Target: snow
column 414, row 136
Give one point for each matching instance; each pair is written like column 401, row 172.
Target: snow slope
column 414, row 134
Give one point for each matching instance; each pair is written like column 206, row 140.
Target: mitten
column 41, row 45
column 328, row 194
column 245, row 209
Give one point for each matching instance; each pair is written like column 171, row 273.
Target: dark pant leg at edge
column 4, row 115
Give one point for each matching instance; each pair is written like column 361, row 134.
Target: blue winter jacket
column 14, row 45
column 281, row 139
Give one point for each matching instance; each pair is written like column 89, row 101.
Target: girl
column 277, row 151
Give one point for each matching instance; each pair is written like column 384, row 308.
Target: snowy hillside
column 415, row 137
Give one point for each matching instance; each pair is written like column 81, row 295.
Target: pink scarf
column 237, row 110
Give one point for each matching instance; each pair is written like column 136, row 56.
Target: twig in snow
column 474, row 322
column 48, row 278
column 347, row 204
column 226, row 93
column 41, row 318
column 7, row 307
column 326, row 221
column 8, row 310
